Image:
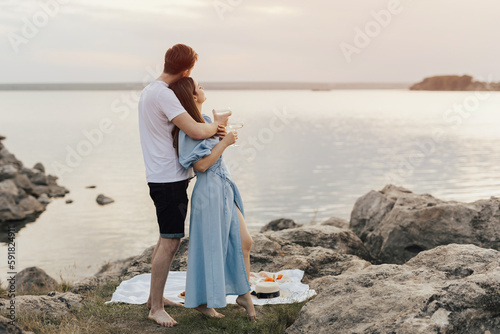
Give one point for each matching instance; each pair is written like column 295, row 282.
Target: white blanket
column 136, row 289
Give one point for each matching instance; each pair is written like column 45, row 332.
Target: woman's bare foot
column 209, row 312
column 166, row 302
column 246, row 302
column 162, row 318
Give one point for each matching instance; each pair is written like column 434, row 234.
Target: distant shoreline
column 318, row 86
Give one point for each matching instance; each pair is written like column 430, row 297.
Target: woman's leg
column 246, row 242
column 246, row 302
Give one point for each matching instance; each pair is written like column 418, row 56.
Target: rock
column 2, row 137
column 39, row 179
column 34, row 279
column 7, row 172
column 103, row 200
column 91, row 187
column 449, row 289
column 40, row 190
column 19, row 186
column 55, row 306
column 40, row 167
column 270, row 253
column 337, row 222
column 395, row 224
column 341, row 240
column 6, row 324
column 69, row 201
column 7, row 158
column 57, row 191
column 279, row 224
column 9, row 210
column 44, row 199
column 8, row 187
column 30, row 205
column 22, row 181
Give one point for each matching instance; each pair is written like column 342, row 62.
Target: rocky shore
column 455, row 83
column 24, row 192
column 404, row 263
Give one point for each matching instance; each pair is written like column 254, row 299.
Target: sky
column 241, row 40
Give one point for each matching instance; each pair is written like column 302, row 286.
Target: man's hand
column 221, row 119
column 221, row 131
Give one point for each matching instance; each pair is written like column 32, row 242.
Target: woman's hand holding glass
column 230, row 138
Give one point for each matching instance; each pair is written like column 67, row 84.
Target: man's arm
column 198, row 131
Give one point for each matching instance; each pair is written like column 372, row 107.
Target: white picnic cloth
column 136, row 289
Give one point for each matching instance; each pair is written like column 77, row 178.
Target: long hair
column 184, row 89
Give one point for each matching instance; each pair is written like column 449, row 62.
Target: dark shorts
column 171, row 207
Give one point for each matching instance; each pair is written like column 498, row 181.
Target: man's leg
column 160, row 267
column 166, row 301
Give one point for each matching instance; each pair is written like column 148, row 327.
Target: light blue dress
column 216, row 267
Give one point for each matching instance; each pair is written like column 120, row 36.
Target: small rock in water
column 2, row 137
column 91, row 187
column 103, row 200
column 44, row 199
column 69, row 201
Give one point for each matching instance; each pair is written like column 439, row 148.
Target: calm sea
column 304, row 155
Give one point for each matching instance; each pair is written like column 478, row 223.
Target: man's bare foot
column 166, row 302
column 209, row 312
column 162, row 318
column 246, row 302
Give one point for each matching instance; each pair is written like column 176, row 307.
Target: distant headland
column 454, row 83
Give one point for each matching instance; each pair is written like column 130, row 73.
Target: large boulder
column 53, row 305
column 396, row 224
column 327, row 236
column 449, row 289
column 270, row 253
column 34, row 280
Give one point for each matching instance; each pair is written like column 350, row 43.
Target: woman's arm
column 204, row 163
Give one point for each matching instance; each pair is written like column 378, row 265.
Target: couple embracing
column 177, row 143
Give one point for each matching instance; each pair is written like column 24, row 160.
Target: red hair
column 179, row 58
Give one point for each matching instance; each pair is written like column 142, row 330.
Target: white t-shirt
column 158, row 106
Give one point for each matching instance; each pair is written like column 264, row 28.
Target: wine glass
column 233, row 126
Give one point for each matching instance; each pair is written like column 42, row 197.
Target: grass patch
column 98, row 318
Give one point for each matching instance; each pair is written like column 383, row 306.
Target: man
column 159, row 112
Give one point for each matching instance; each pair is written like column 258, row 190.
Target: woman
column 219, row 241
